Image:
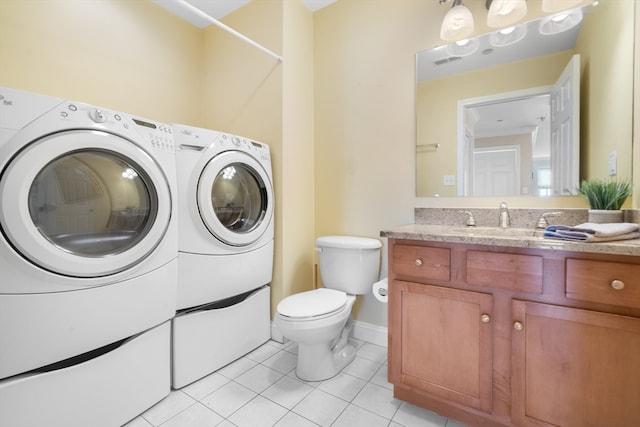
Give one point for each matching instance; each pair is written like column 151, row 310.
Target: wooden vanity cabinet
column 443, row 327
column 496, row 336
column 574, row 367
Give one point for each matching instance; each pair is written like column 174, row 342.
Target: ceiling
column 218, row 9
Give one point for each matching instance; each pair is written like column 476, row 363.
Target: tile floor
column 261, row 389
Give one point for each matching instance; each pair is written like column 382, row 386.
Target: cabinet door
column 441, row 342
column 574, row 367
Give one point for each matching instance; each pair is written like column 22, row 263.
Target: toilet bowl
column 323, row 347
column 320, row 321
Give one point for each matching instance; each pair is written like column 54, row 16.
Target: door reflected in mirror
column 470, row 142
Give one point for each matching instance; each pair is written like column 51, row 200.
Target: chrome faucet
column 504, row 216
column 542, row 221
column 471, row 221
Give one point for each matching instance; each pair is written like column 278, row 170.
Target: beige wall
column 606, row 120
column 128, row 55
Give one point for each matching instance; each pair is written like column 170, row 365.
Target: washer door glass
column 92, row 203
column 238, row 197
column 84, row 203
column 235, row 198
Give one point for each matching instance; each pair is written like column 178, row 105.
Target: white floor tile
column 354, row 416
column 344, row 386
column 259, row 412
column 291, row 347
column 362, row 368
column 294, row 420
column 259, row 378
column 287, row 392
column 138, row 422
column 380, row 378
column 262, row 389
column 373, row 352
column 205, row 386
column 228, row 399
column 313, row 384
column 238, row 367
column 413, row 416
column 171, row 405
column 282, row 361
column 263, row 352
column 320, row 407
column 378, row 400
column 196, row 415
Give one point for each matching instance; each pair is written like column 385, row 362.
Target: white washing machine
column 88, row 248
column 225, row 250
column 225, row 202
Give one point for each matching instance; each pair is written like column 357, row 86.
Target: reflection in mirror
column 467, row 145
column 505, row 140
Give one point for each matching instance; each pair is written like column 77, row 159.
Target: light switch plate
column 613, row 163
column 449, row 180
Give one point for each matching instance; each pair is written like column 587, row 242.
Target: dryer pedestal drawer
column 108, row 390
column 210, row 337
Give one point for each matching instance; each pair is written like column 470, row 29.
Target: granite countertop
column 510, row 237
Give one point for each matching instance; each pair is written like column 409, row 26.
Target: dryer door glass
column 92, row 203
column 239, row 197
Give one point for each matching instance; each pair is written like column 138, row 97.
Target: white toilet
column 319, row 321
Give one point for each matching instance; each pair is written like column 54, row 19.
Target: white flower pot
column 600, row 216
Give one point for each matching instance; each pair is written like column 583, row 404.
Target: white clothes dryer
column 225, row 257
column 88, row 225
column 225, row 206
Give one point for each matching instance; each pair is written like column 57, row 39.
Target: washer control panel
column 159, row 135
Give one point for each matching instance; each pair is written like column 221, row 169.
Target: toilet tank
column 348, row 264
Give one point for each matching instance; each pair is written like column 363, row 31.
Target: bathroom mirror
column 483, row 121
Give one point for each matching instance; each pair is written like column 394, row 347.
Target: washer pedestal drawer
column 107, row 390
column 214, row 335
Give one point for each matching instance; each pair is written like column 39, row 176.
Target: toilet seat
column 312, row 304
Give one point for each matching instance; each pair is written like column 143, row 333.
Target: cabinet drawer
column 606, row 282
column 423, row 262
column 522, row 273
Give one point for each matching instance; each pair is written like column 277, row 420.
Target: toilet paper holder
column 380, row 290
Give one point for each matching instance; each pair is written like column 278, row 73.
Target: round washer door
column 235, row 198
column 84, row 203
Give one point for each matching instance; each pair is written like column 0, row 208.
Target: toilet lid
column 312, row 303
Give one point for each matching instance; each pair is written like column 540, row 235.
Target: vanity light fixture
column 457, row 23
column 560, row 22
column 552, row 6
column 463, row 47
column 508, row 36
column 503, row 13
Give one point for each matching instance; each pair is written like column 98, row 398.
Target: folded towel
column 591, row 232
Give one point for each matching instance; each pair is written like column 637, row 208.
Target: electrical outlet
column 613, row 163
column 449, row 180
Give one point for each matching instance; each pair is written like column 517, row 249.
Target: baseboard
column 276, row 335
column 368, row 332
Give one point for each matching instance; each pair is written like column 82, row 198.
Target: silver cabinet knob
column 618, row 285
column 419, row 262
column 485, row 318
column 518, row 326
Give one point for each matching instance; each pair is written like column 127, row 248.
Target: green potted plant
column 605, row 197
